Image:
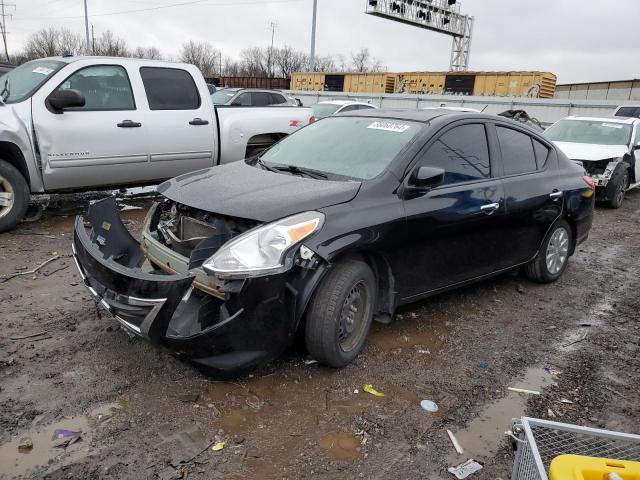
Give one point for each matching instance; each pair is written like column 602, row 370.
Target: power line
column 160, row 7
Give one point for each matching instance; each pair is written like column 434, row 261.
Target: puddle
column 423, row 339
column 340, row 445
column 482, row 438
column 16, row 463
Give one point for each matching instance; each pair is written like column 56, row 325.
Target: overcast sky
column 578, row 40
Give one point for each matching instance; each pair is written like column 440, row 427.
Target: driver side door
column 102, row 143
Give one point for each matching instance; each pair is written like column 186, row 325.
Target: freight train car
column 502, row 84
column 250, row 82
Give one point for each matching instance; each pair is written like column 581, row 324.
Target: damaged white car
column 608, row 148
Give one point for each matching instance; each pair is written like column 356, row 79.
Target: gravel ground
column 145, row 414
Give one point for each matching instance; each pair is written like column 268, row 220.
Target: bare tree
column 288, row 60
column 150, row 53
column 51, row 41
column 231, row 67
column 325, row 64
column 109, row 45
column 203, row 55
column 360, row 60
column 254, row 62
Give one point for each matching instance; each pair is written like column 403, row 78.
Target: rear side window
column 463, row 154
column 542, row 153
column 277, row 99
column 628, row 112
column 260, row 99
column 170, row 89
column 517, row 151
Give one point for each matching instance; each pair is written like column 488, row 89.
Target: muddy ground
column 144, row 414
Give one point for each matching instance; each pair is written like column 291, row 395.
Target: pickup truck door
column 103, row 143
column 179, row 118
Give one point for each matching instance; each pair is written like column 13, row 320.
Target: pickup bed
column 73, row 123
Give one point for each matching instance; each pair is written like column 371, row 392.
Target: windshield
column 21, row 82
column 321, row 110
column 596, row 132
column 354, row 147
column 222, row 96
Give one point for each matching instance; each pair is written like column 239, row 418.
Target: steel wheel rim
column 352, row 316
column 557, row 250
column 7, row 197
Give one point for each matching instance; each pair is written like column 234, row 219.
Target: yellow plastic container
column 577, row 467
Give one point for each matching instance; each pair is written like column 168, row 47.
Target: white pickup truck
column 72, row 123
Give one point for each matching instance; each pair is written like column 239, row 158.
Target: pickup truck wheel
column 340, row 314
column 617, row 186
column 14, row 196
column 553, row 257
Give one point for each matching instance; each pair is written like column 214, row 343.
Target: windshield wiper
column 301, row 171
column 261, row 162
column 5, row 90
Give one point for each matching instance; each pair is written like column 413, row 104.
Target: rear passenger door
column 180, row 122
column 531, row 185
column 455, row 232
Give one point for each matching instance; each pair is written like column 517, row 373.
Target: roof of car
column 625, row 120
column 343, row 102
column 417, row 115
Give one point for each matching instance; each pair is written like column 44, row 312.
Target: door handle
column 198, row 121
column 555, row 195
column 129, row 124
column 489, row 208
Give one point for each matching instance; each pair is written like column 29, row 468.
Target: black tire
column 538, row 269
column 340, row 313
column 617, row 186
column 12, row 181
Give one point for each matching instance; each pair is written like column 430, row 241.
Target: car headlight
column 263, row 250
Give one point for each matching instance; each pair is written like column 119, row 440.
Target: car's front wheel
column 553, row 256
column 340, row 313
column 14, row 196
column 617, row 186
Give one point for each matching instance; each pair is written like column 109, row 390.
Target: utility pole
column 312, row 55
column 86, row 27
column 3, row 25
column 273, row 26
column 93, row 40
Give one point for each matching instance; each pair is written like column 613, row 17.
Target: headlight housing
column 263, row 250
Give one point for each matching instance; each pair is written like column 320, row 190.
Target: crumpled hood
column 240, row 190
column 591, row 151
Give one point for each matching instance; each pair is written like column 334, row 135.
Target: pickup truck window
column 105, row 87
column 170, row 89
column 22, row 82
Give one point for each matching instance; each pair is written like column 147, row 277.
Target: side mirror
column 60, row 99
column 299, row 102
column 425, row 178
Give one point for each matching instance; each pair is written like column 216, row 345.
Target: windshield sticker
column 390, row 126
column 612, row 125
column 42, row 70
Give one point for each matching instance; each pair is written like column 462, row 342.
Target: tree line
column 253, row 61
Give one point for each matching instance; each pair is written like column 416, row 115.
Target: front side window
column 105, row 87
column 517, row 151
column 462, row 153
column 20, row 83
column 321, row 110
column 597, row 132
column 221, row 97
column 353, row 147
column 244, row 100
column 170, row 89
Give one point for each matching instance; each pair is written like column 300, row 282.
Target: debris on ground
column 6, row 278
column 218, row 446
column 369, row 389
column 454, row 442
column 465, row 469
column 523, row 390
column 429, row 405
column 25, row 445
column 63, row 438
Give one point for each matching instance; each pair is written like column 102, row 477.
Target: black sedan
column 332, row 228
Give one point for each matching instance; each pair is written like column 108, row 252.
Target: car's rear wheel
column 617, row 186
column 340, row 313
column 14, row 196
column 553, row 257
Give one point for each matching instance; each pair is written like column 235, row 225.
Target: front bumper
column 226, row 334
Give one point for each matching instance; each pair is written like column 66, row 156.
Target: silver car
column 251, row 97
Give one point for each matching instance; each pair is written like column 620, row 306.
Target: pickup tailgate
column 245, row 131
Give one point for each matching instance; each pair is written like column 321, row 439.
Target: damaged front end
column 600, row 170
column 191, row 283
